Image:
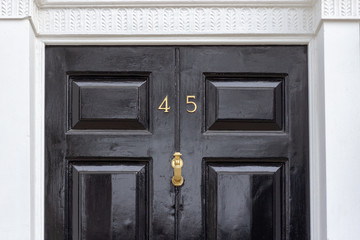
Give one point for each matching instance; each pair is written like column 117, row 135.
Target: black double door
column 116, row 115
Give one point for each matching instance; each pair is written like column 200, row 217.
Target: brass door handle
column 177, row 164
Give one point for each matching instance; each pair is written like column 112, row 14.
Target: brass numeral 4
column 164, row 105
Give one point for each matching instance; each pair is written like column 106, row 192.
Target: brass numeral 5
column 191, row 102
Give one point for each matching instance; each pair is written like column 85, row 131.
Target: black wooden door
column 245, row 148
column 107, row 147
column 115, row 116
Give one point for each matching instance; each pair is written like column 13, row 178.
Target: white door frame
column 182, row 22
column 316, row 117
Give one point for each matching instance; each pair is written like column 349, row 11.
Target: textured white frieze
column 341, row 9
column 14, row 8
column 167, row 3
column 209, row 18
column 176, row 20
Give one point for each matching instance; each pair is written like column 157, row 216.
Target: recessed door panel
column 108, row 102
column 104, row 198
column 244, row 200
column 236, row 103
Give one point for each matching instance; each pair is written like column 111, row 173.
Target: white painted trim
column 318, row 216
column 222, row 22
column 178, row 40
column 120, row 21
column 163, row 3
column 317, row 159
column 41, row 11
column 38, row 138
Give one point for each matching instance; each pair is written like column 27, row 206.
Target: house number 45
column 165, row 105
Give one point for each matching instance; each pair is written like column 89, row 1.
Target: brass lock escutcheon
column 177, row 164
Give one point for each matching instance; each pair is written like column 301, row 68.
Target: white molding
column 317, row 138
column 250, row 39
column 15, row 9
column 38, row 139
column 341, row 9
column 318, row 219
column 174, row 21
column 171, row 3
column 183, row 17
column 317, row 16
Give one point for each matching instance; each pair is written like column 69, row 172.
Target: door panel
column 252, row 104
column 113, row 191
column 243, row 103
column 105, row 102
column 244, row 201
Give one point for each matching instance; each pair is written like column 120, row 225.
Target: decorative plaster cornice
column 174, row 21
column 178, row 17
column 14, row 9
column 169, row 3
column 340, row 9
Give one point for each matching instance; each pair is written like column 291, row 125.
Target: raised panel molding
column 114, row 191
column 260, row 186
column 103, row 101
column 261, row 108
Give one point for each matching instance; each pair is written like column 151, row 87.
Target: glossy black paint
column 240, row 103
column 287, row 145
column 94, row 102
column 122, row 145
column 244, row 201
column 109, row 201
column 108, row 147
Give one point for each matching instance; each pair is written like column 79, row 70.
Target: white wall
column 15, row 130
column 342, row 120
